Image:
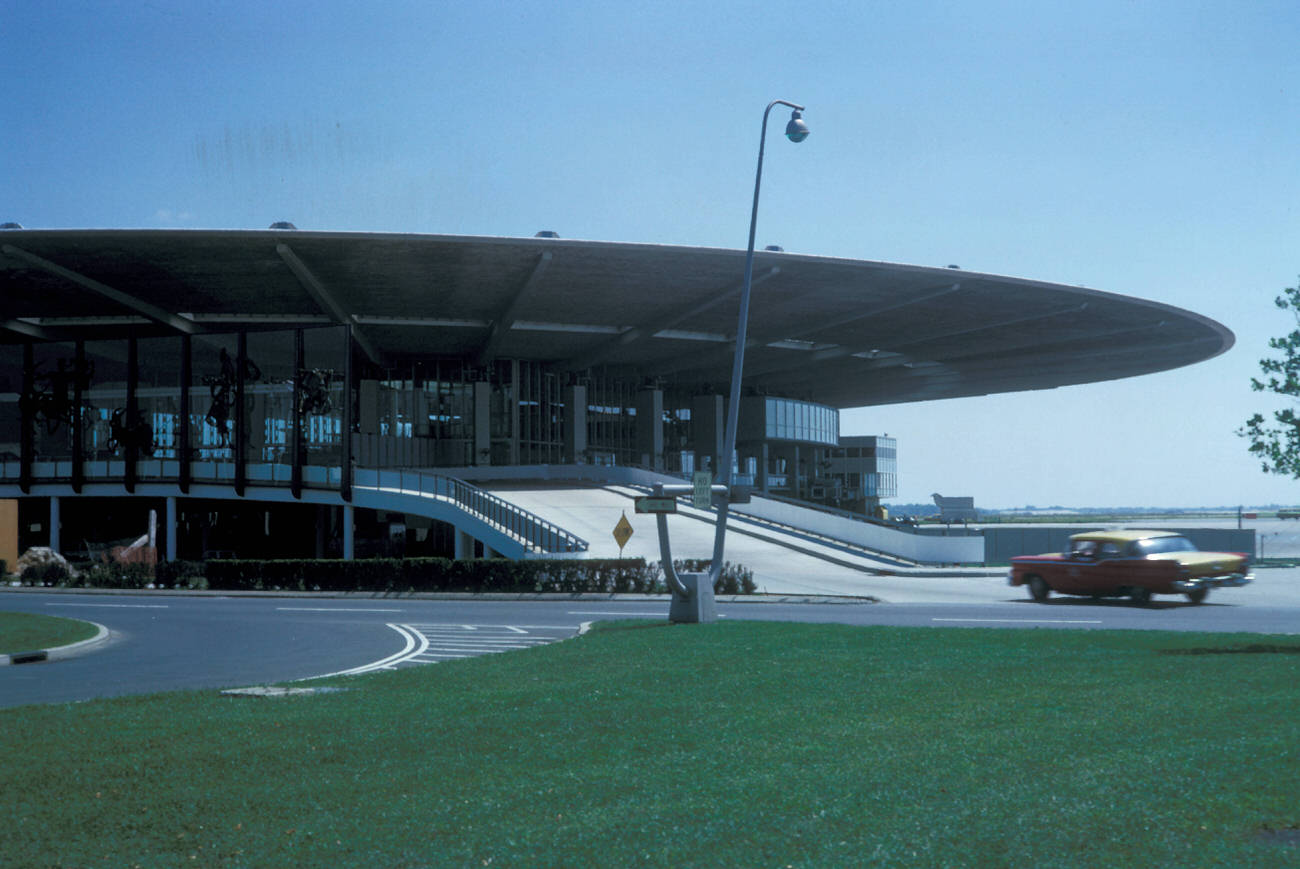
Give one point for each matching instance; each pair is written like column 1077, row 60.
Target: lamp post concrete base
column 697, row 605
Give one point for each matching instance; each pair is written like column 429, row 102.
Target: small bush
column 49, row 574
column 180, row 574
column 406, row 575
column 733, row 578
column 114, row 576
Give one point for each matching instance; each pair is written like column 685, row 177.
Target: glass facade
column 302, row 407
column 864, row 470
column 787, row 419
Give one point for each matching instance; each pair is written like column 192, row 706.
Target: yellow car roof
column 1122, row 536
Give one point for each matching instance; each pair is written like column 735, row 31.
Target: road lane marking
column 1028, row 621
column 117, row 606
column 329, row 609
column 430, row 643
column 415, row 645
column 612, row 613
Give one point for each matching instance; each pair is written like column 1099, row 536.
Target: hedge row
column 395, row 575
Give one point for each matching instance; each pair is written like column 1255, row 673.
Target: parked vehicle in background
column 1133, row 564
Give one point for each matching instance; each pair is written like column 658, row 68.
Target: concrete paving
column 779, row 568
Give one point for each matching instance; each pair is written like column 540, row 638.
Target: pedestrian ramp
column 782, row 562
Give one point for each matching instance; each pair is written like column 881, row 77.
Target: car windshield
column 1153, row 545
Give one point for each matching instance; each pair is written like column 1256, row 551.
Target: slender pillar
column 708, row 423
column 183, row 429
column 169, row 528
column 349, row 387
column 132, row 415
column 322, row 529
column 27, row 410
column 482, row 423
column 76, row 427
column 241, row 417
column 296, row 439
column 575, row 423
column 349, row 533
column 464, row 545
column 55, row 542
column 513, row 411
column 650, row 428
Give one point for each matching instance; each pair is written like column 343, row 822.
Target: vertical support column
column 27, row 411
column 322, row 528
column 349, row 533
column 132, row 415
column 77, row 427
column 183, row 454
column 349, row 380
column 169, row 528
column 241, row 417
column 55, row 542
column 296, row 450
column 763, row 465
column 482, row 423
column 574, row 434
column 708, row 426
column 514, row 411
column 464, row 544
column 650, row 428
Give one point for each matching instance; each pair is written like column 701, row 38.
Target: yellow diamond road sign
column 622, row 532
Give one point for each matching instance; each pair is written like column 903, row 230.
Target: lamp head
column 796, row 130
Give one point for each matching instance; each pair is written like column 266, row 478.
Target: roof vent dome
column 11, row 225
column 283, row 224
column 775, row 248
column 546, row 233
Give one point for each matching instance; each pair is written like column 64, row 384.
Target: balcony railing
column 536, row 533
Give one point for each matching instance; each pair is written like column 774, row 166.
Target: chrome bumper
column 1227, row 580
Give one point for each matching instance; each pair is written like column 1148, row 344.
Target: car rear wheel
column 1038, row 588
column 1140, row 595
column 1198, row 595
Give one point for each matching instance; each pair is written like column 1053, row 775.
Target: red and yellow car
column 1133, row 564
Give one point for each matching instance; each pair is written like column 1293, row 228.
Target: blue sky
column 1143, row 148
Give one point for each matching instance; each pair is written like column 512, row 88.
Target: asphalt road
column 171, row 641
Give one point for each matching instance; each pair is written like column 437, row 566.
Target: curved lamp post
column 693, row 593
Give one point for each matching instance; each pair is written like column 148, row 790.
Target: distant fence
column 1002, row 544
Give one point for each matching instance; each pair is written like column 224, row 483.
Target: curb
column 58, row 653
column 757, row 598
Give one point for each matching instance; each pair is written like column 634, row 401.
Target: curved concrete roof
column 844, row 332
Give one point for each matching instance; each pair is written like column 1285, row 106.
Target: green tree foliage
column 1276, row 442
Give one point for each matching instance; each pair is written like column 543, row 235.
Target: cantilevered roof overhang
column 847, row 333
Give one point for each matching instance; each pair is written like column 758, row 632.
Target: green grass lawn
column 23, row 632
column 733, row 744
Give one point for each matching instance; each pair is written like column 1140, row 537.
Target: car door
column 1077, row 575
column 1112, row 570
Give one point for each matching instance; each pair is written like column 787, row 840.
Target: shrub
column 180, row 574
column 114, row 576
column 732, row 579
column 406, row 575
column 48, row 574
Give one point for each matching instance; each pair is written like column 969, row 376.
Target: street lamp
column 693, row 593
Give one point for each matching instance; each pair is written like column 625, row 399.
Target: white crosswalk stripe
column 432, row 643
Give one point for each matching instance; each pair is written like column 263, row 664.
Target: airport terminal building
column 309, row 394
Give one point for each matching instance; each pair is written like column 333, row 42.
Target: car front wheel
column 1140, row 595
column 1039, row 589
column 1198, row 595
